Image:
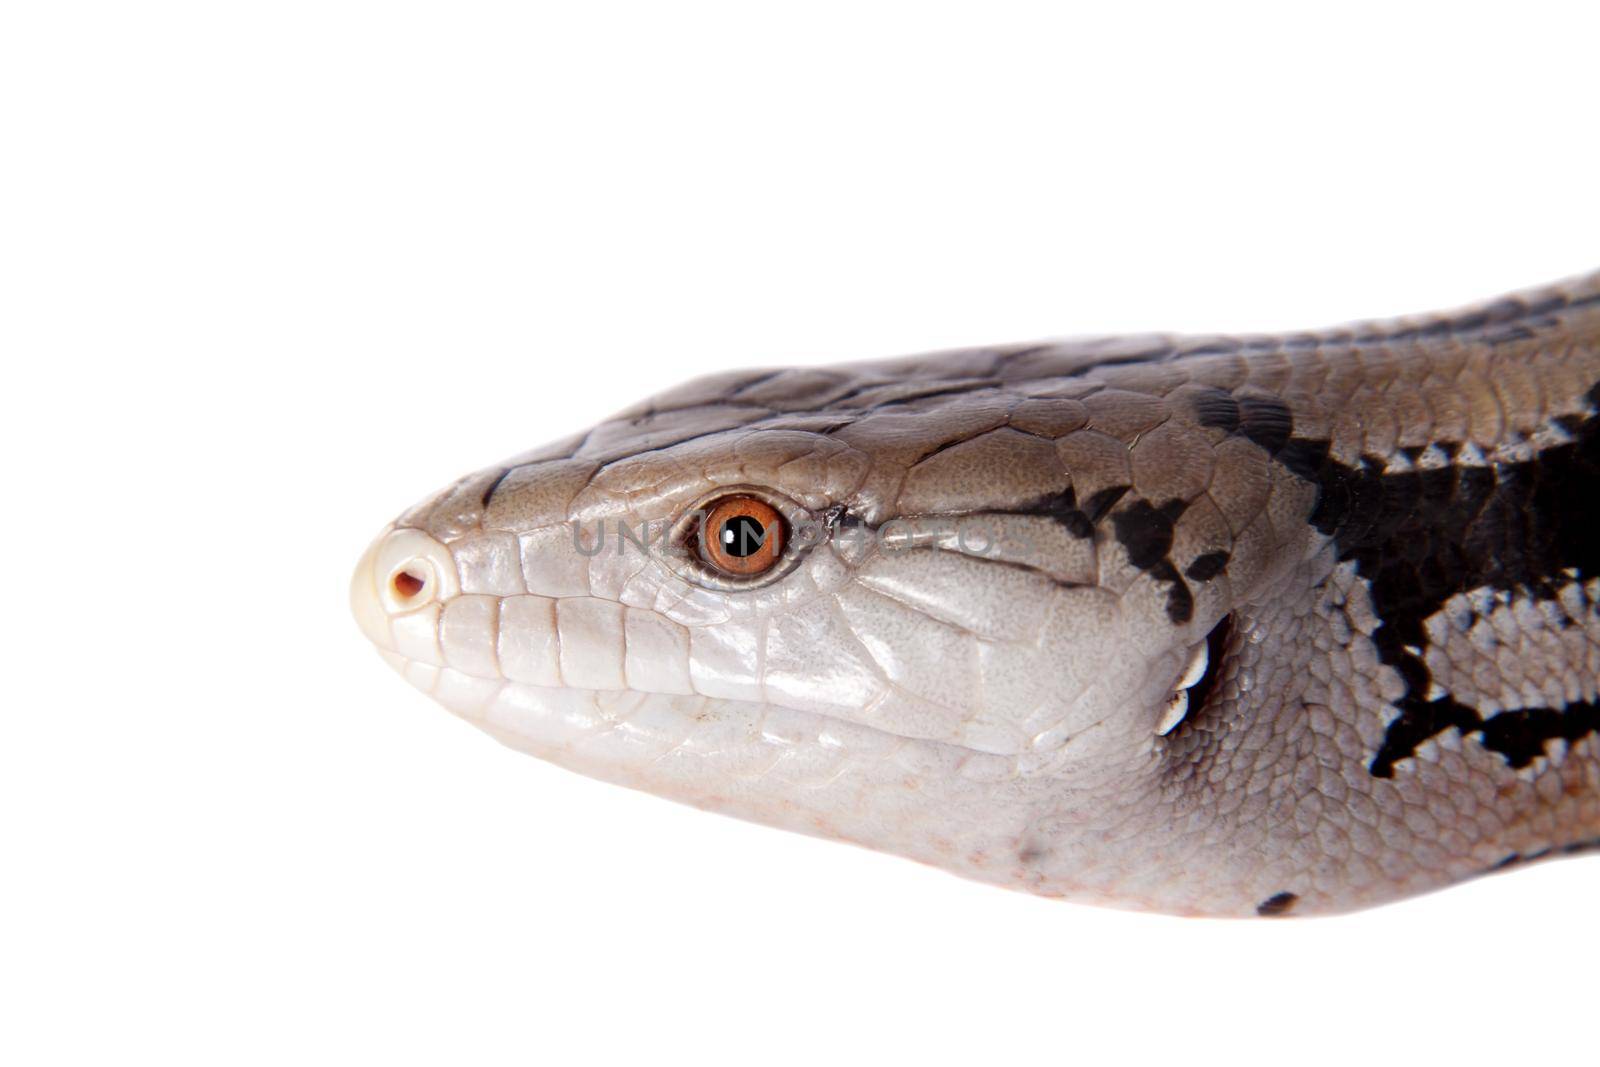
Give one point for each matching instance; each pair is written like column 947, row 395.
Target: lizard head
column 1197, row 624
column 908, row 604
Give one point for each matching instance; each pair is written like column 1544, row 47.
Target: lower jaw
column 941, row 804
column 966, row 812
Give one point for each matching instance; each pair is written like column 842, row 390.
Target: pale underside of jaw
column 978, row 814
column 737, row 739
column 934, row 801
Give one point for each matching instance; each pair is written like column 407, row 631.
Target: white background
column 271, row 272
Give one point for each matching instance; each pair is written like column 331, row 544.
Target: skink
column 1208, row 625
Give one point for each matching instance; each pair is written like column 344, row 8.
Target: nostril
column 408, row 583
column 410, row 572
column 411, row 585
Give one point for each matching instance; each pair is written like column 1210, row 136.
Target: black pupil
column 742, row 536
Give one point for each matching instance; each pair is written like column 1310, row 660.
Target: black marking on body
column 1063, row 507
column 1217, row 409
column 1278, row 904
column 1520, row 735
column 1517, row 859
column 1207, row 566
column 1180, row 601
column 1265, row 420
column 1419, row 537
column 1145, row 532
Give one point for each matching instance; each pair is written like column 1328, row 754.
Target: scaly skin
column 1228, row 626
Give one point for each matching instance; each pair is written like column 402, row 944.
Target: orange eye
column 742, row 536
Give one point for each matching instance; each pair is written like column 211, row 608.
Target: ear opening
column 1216, row 650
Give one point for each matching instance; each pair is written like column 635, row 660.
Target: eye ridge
column 741, row 536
